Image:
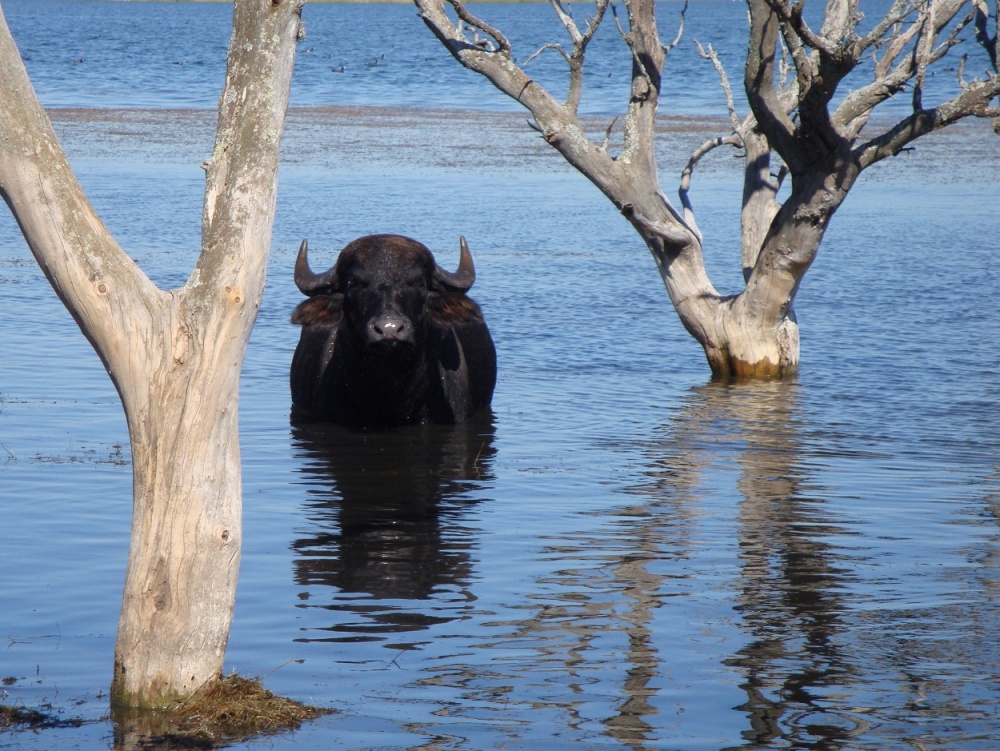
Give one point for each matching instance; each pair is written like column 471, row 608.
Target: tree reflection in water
column 789, row 578
column 788, row 582
column 376, row 502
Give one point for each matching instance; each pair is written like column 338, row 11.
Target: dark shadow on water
column 385, row 511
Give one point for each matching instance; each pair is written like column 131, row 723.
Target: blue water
column 173, row 55
column 622, row 555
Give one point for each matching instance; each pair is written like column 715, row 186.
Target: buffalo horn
column 309, row 283
column 462, row 279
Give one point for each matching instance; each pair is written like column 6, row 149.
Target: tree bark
column 174, row 356
column 752, row 334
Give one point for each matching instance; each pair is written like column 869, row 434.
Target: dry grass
column 22, row 717
column 232, row 709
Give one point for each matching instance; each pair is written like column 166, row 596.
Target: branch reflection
column 788, row 583
column 790, row 579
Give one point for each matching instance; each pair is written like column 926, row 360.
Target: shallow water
column 622, row 555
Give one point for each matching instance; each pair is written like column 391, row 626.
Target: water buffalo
column 389, row 337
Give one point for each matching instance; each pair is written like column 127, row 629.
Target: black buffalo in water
column 389, row 337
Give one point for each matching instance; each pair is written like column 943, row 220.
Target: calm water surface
column 622, row 555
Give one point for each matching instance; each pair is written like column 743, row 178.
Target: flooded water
column 622, row 554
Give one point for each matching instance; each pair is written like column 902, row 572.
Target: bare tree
column 174, row 356
column 792, row 75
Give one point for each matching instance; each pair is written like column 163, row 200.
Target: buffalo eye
column 418, row 282
column 358, row 283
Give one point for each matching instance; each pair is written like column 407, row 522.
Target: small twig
column 297, row 660
column 680, row 31
column 897, row 14
column 550, row 46
column 580, row 41
column 953, row 40
column 921, row 56
column 475, row 462
column 627, row 37
column 11, row 640
column 982, row 12
column 711, row 54
column 792, row 16
column 607, row 135
column 709, row 145
column 566, row 17
column 484, row 27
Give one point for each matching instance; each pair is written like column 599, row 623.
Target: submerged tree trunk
column 791, row 76
column 174, row 356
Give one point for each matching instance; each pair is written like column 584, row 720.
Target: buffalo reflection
column 385, row 511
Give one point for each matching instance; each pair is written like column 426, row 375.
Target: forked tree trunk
column 174, row 357
column 752, row 334
column 743, row 335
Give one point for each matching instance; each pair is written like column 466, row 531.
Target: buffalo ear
column 321, row 310
column 461, row 279
column 451, row 308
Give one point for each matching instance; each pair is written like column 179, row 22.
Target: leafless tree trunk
column 174, row 356
column 791, row 77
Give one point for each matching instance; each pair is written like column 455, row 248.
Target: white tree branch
column 466, row 17
column 710, row 54
column 685, row 186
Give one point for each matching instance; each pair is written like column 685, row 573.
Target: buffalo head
column 389, row 336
